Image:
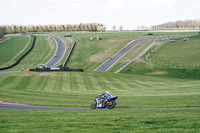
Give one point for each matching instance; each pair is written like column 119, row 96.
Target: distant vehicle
column 55, row 55
column 184, row 39
column 172, row 41
column 68, row 35
column 150, row 34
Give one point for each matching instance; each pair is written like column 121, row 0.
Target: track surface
column 61, row 48
column 111, row 61
column 6, row 105
column 9, row 72
column 5, row 39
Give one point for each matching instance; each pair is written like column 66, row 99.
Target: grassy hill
column 10, row 48
column 90, row 54
column 143, row 84
column 42, row 52
column 171, row 59
column 49, row 88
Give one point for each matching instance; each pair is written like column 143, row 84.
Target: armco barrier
column 18, row 61
column 69, row 54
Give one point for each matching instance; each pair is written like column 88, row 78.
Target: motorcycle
column 104, row 103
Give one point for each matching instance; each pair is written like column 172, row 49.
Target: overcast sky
column 128, row 13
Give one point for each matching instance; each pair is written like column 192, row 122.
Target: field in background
column 142, row 85
column 42, row 52
column 90, row 54
column 171, row 59
column 10, row 48
column 49, row 88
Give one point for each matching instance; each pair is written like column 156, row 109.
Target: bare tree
column 114, row 27
column 121, row 28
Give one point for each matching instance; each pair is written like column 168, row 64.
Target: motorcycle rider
column 106, row 95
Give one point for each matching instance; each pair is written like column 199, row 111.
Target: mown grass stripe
column 57, row 82
column 87, row 82
column 122, row 84
column 73, row 82
column 80, row 82
column 43, row 82
column 50, row 83
column 65, row 82
column 94, row 83
column 12, row 83
column 34, row 83
column 101, row 83
column 109, row 84
column 23, row 83
column 129, row 83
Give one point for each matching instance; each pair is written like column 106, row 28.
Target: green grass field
column 143, row 84
column 113, row 121
column 171, row 59
column 41, row 54
column 10, row 48
column 179, row 54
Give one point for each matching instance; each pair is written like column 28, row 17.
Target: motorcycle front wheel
column 94, row 105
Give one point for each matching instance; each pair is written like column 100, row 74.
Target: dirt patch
column 109, row 51
column 67, row 40
column 98, row 57
column 158, row 73
column 159, row 43
column 151, row 65
column 51, row 42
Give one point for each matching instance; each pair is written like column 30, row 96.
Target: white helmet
column 108, row 92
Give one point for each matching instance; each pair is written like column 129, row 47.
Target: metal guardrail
column 137, row 57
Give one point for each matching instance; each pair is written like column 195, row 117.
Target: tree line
column 13, row 29
column 185, row 24
column 2, row 32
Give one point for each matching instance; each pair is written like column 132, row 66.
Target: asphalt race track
column 5, row 39
column 111, row 61
column 21, row 106
column 61, row 48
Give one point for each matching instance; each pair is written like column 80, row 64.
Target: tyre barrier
column 18, row 61
column 69, row 54
column 56, row 70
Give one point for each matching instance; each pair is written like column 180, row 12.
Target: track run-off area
column 7, row 105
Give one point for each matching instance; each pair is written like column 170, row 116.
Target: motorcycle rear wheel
column 94, row 105
column 111, row 105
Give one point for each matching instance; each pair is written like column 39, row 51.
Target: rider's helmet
column 110, row 95
column 108, row 92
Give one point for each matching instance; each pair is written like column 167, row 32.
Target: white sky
column 128, row 13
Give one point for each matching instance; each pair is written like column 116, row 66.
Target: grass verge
column 114, row 121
